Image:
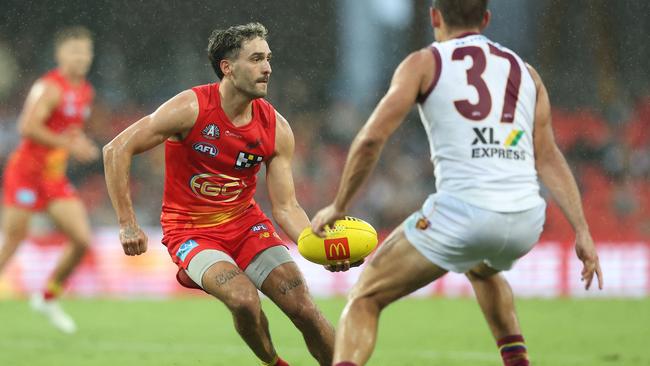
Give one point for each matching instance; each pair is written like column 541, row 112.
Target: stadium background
column 332, row 61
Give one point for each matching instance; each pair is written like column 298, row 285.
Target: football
column 350, row 239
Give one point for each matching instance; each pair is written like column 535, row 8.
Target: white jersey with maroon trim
column 478, row 115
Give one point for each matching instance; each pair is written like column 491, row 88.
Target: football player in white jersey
column 487, row 116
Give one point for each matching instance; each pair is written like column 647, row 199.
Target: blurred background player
column 216, row 138
column 35, row 179
column 487, row 116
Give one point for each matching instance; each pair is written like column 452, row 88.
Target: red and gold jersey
column 73, row 109
column 211, row 175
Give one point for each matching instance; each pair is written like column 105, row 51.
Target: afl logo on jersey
column 205, row 148
column 211, row 132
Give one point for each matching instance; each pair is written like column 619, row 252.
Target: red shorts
column 33, row 192
column 242, row 239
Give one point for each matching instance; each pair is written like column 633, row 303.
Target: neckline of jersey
column 466, row 34
column 67, row 82
column 229, row 122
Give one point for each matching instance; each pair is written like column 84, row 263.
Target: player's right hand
column 83, row 149
column 133, row 239
column 586, row 252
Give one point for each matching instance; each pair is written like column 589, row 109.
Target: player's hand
column 325, row 217
column 133, row 239
column 343, row 266
column 83, row 149
column 586, row 252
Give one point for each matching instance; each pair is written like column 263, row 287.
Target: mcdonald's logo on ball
column 337, row 249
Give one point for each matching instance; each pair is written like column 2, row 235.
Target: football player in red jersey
column 34, row 179
column 216, row 137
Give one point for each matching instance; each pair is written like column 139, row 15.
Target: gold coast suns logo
column 337, row 249
column 217, row 187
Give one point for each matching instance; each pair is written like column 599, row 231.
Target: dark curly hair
column 226, row 43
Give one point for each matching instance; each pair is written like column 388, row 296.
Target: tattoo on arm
column 224, row 277
column 286, row 286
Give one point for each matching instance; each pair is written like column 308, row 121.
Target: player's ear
column 226, row 67
column 486, row 19
column 435, row 17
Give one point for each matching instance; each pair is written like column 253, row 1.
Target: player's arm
column 412, row 77
column 41, row 102
column 39, row 105
column 554, row 172
column 174, row 117
column 286, row 210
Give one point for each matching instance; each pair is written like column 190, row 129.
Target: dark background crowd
column 332, row 62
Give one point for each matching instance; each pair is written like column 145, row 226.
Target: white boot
column 54, row 313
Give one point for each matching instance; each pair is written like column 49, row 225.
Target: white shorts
column 457, row 236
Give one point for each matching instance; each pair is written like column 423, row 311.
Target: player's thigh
column 228, row 283
column 481, row 271
column 286, row 287
column 396, row 270
column 15, row 223
column 70, row 216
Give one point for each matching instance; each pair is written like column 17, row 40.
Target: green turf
column 199, row 331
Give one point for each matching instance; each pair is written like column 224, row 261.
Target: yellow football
column 350, row 239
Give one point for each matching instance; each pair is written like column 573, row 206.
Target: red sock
column 52, row 291
column 346, row 363
column 513, row 350
column 281, row 362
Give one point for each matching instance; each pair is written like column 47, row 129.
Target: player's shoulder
column 420, row 58
column 47, row 88
column 266, row 112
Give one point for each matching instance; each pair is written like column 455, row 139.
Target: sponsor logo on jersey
column 233, row 134
column 247, row 160
column 513, row 138
column 205, row 148
column 216, row 187
column 491, row 147
column 337, row 249
column 211, row 132
column 259, row 227
column 185, row 249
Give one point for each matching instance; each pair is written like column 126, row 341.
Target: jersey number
column 480, row 110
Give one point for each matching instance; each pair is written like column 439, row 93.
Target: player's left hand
column 343, row 266
column 324, row 217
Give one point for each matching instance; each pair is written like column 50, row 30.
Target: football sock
column 346, row 363
column 52, row 290
column 281, row 362
column 513, row 350
column 277, row 361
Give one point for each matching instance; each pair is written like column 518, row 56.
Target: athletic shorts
column 31, row 192
column 457, row 236
column 241, row 239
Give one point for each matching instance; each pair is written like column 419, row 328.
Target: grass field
column 198, row 331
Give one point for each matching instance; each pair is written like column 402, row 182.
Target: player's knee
column 244, row 304
column 15, row 233
column 81, row 244
column 367, row 300
column 301, row 310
